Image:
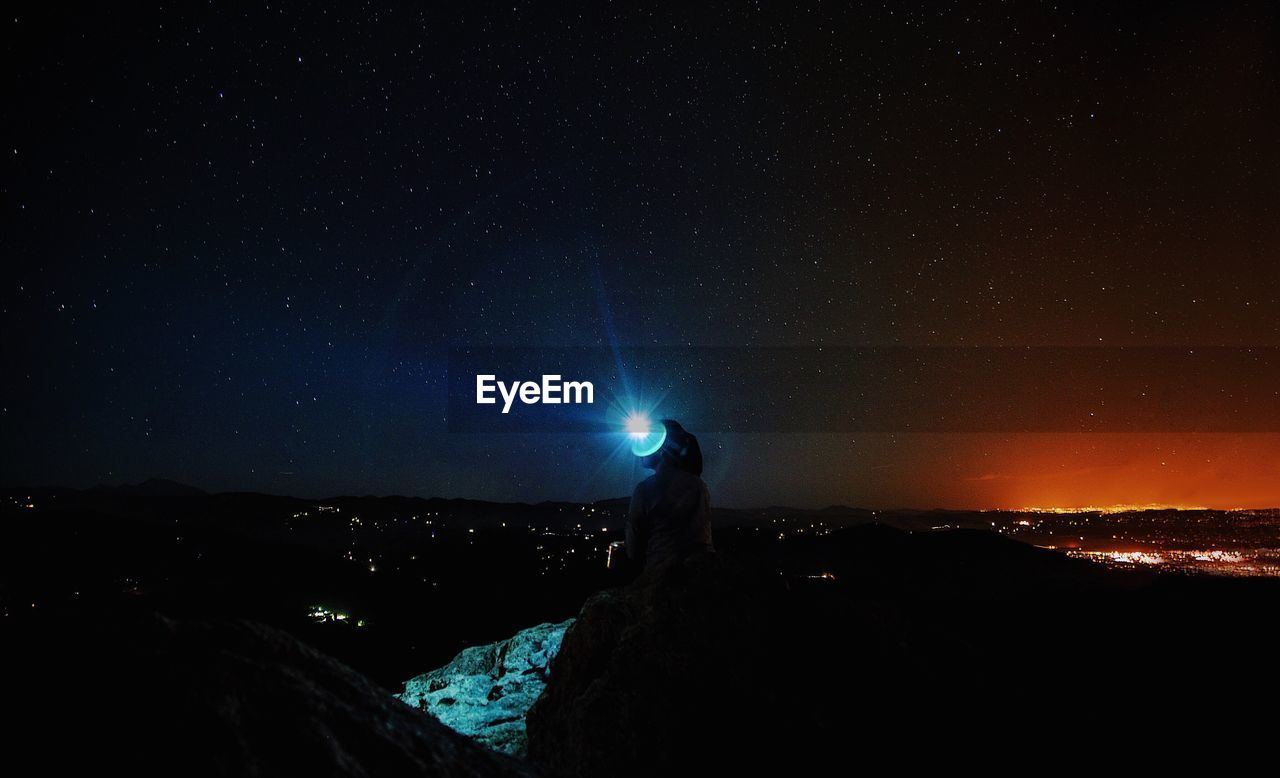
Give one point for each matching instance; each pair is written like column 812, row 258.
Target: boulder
column 653, row 676
column 486, row 690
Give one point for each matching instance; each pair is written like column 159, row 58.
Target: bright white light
column 637, row 425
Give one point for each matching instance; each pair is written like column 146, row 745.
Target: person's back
column 670, row 514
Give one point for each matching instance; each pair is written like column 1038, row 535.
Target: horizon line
column 1103, row 508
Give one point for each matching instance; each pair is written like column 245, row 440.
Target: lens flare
column 637, row 425
column 645, row 439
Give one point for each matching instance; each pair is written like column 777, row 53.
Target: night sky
column 239, row 243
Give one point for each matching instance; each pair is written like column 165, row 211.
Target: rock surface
column 486, row 690
column 653, row 675
column 722, row 666
column 154, row 696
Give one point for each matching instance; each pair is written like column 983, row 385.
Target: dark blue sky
column 238, row 243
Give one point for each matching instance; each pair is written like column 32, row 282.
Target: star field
column 239, row 242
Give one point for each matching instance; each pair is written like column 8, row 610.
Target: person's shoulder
column 646, row 486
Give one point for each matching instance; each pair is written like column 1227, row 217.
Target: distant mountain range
column 164, row 487
column 152, row 487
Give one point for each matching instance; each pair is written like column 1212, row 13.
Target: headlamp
column 645, row 439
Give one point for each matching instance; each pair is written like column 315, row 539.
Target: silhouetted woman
column 670, row 514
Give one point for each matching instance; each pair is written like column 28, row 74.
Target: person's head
column 679, row 451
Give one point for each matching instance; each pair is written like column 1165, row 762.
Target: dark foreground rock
column 142, row 694
column 654, row 677
column 486, row 690
column 934, row 650
column 855, row 651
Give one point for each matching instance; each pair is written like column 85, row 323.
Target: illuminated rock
column 486, row 690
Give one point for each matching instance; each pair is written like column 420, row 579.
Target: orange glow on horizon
column 1107, row 473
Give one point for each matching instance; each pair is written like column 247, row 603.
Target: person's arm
column 637, row 529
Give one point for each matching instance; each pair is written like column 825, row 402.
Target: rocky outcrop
column 653, row 677
column 486, row 690
column 721, row 665
column 140, row 694
column 877, row 647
